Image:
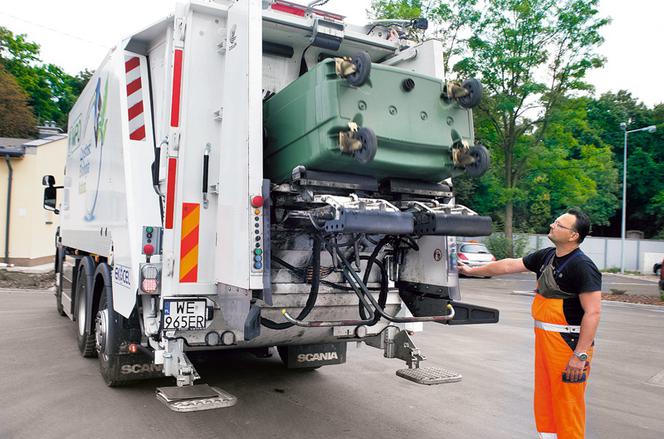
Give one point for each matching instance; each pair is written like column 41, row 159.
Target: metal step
column 194, row 398
column 429, row 375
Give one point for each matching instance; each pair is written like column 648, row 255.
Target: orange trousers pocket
column 559, row 407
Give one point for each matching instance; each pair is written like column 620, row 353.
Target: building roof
column 11, row 141
column 13, row 147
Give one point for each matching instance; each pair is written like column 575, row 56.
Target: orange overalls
column 560, row 410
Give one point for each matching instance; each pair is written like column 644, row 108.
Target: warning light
column 148, row 249
column 149, row 229
column 257, row 212
column 133, row 348
column 257, row 201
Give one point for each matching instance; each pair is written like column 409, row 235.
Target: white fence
column 640, row 254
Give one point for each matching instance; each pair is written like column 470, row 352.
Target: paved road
column 48, row 391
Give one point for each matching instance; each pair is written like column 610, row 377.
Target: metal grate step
column 429, row 375
column 194, row 398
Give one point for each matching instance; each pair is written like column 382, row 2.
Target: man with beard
column 566, row 310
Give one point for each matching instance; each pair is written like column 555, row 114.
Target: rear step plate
column 194, row 398
column 429, row 375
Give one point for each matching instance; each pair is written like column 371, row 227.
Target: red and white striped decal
column 134, row 98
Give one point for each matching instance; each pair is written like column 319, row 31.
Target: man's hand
column 465, row 270
column 574, row 370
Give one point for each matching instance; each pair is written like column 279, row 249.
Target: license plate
column 185, row 315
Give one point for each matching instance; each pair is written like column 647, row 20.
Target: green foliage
column 645, row 155
column 51, row 91
column 531, row 56
column 502, row 247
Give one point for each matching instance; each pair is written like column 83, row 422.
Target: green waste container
column 414, row 127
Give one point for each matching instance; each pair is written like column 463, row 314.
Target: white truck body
column 190, row 86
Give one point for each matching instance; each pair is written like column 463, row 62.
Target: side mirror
column 50, row 193
column 48, row 180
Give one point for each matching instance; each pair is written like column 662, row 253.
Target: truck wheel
column 85, row 337
column 481, row 163
column 59, row 259
column 362, row 63
column 107, row 324
column 474, row 96
column 369, row 145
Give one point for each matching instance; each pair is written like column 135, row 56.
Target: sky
column 76, row 34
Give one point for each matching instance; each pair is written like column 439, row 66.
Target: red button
column 257, row 201
column 148, row 249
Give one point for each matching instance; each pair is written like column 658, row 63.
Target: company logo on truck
column 122, row 275
column 320, row 356
column 90, row 155
column 128, row 369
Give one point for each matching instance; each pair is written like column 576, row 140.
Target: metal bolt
column 424, row 115
column 450, row 120
column 362, row 105
column 392, row 109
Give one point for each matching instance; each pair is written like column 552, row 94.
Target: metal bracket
column 348, row 141
column 180, row 28
column 174, row 145
column 344, row 66
column 403, row 348
column 177, row 364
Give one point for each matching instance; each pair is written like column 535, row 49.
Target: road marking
column 657, row 380
column 627, row 283
column 523, row 293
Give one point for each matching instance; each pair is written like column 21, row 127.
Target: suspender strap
column 569, row 329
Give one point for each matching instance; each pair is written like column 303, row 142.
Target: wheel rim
column 80, row 314
column 101, row 323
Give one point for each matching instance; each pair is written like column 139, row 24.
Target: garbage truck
column 262, row 175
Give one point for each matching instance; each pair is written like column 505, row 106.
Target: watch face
column 582, row 357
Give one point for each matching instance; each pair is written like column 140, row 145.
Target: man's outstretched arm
column 497, row 268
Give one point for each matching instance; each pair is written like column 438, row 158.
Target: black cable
column 313, row 293
column 367, row 271
column 301, row 273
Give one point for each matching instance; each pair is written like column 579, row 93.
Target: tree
column 51, row 91
column 16, row 118
column 645, row 163
column 529, row 54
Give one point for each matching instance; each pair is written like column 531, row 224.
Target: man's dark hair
column 582, row 225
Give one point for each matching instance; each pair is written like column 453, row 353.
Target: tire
column 84, row 336
column 474, row 96
column 362, row 63
column 481, row 163
column 107, row 327
column 369, row 145
column 59, row 260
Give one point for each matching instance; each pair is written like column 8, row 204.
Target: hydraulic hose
column 367, row 271
column 313, row 293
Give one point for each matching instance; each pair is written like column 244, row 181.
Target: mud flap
column 421, row 305
column 133, row 367
column 313, row 355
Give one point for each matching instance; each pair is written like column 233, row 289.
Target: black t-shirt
column 578, row 276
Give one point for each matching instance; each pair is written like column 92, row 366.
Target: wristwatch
column 581, row 356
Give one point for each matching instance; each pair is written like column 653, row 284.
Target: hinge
column 174, row 144
column 180, row 27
